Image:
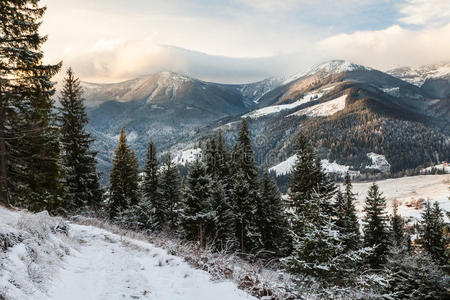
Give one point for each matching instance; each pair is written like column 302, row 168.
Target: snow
column 338, row 66
column 444, row 166
column 285, row 167
column 405, row 189
column 418, row 75
column 184, row 157
column 379, row 162
column 98, row 264
column 277, row 108
column 323, row 109
column 392, row 91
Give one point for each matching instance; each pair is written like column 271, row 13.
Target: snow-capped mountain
column 418, row 75
column 337, row 103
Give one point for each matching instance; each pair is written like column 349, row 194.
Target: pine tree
column 170, row 192
column 81, row 179
column 246, row 196
column 271, row 217
column 151, row 190
column 29, row 149
column 123, row 192
column 247, row 233
column 432, row 232
column 197, row 214
column 376, row 230
column 415, row 277
column 224, row 218
column 350, row 224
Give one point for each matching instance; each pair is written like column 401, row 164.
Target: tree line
column 315, row 232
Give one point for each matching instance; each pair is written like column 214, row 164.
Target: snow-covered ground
column 92, row 263
column 323, row 109
column 440, row 167
column 184, row 157
column 407, row 190
column 285, row 167
column 277, row 108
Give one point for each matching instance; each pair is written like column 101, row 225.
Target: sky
column 239, row 41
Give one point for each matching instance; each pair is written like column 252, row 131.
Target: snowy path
column 109, row 267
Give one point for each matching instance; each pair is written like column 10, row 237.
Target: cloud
column 422, row 12
column 392, row 46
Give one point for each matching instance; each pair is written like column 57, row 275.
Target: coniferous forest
column 226, row 202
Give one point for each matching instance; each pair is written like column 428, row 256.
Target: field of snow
column 406, row 190
column 186, row 156
column 92, row 263
column 277, row 108
column 323, row 109
column 440, row 167
column 285, row 167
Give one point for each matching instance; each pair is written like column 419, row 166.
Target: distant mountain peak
column 338, row 66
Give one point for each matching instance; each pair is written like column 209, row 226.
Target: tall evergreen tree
column 224, row 218
column 197, row 215
column 432, row 232
column 246, row 196
column 170, row 192
column 81, row 179
column 151, row 189
column 272, row 218
column 29, row 149
column 123, row 192
column 376, row 227
column 350, row 224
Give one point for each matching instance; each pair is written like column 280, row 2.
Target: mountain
column 351, row 113
column 433, row 79
column 354, row 115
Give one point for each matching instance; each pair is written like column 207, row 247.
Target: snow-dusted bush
column 31, row 247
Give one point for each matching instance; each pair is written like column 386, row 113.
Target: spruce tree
column 151, row 189
column 29, row 149
column 272, row 218
column 415, row 277
column 376, row 228
column 123, row 191
column 246, row 196
column 81, row 179
column 350, row 224
column 170, row 193
column 224, row 218
column 197, row 214
column 432, row 232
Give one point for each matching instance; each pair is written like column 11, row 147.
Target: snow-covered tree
column 123, row 191
column 224, row 218
column 349, row 225
column 415, row 277
column 432, row 232
column 170, row 193
column 197, row 214
column 376, row 227
column 79, row 163
column 271, row 217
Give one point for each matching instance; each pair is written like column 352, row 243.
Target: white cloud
column 392, row 46
column 422, row 12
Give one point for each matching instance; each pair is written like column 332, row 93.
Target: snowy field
column 408, row 190
column 91, row 263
